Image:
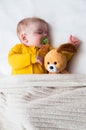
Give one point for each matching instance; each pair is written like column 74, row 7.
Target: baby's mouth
column 44, row 41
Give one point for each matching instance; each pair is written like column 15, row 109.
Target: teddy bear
column 56, row 60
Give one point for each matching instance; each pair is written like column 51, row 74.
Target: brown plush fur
column 44, row 49
column 67, row 47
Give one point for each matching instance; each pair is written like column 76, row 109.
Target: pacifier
column 45, row 47
column 44, row 40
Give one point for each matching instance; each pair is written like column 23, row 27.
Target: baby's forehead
column 39, row 25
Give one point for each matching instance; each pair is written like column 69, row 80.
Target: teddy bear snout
column 52, row 68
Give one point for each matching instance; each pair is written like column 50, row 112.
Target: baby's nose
column 45, row 34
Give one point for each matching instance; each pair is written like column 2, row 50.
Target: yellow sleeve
column 18, row 60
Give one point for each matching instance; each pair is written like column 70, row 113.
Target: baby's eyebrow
column 39, row 29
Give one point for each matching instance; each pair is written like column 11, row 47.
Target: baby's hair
column 24, row 22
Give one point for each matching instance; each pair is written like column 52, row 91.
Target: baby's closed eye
column 39, row 32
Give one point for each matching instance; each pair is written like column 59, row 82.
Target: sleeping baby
column 25, row 57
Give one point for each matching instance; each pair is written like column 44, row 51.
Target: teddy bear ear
column 67, row 47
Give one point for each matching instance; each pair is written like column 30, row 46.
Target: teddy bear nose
column 51, row 67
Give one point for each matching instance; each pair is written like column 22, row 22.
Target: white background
column 64, row 16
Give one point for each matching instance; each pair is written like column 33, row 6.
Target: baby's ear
column 23, row 37
column 67, row 47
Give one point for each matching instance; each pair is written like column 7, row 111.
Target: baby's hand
column 39, row 60
column 74, row 40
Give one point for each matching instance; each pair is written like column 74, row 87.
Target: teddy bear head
column 56, row 60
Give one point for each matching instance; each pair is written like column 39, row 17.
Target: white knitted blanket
column 43, row 102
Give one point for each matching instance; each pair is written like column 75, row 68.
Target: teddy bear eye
column 55, row 62
column 48, row 63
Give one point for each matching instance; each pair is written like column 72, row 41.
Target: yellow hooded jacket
column 22, row 59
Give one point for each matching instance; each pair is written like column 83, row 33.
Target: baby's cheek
column 38, row 40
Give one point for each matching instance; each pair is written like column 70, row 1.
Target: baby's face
column 35, row 33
